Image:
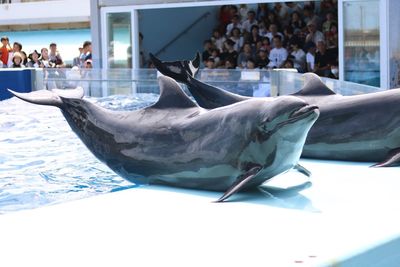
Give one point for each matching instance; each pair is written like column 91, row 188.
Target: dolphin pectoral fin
column 392, row 160
column 241, row 181
column 302, row 170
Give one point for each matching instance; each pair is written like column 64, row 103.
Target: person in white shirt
column 313, row 34
column 218, row 40
column 310, row 47
column 234, row 24
column 250, row 21
column 299, row 57
column 273, row 31
column 278, row 54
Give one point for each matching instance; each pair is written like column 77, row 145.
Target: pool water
column 43, row 162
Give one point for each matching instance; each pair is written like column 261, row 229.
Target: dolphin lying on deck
column 353, row 128
column 175, row 142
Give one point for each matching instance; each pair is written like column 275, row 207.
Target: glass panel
column 361, row 42
column 394, row 45
column 119, row 41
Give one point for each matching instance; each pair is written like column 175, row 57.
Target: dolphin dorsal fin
column 172, row 95
column 313, row 85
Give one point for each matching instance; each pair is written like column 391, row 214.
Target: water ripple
column 42, row 161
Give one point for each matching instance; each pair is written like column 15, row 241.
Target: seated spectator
column 17, row 60
column 262, row 59
column 299, row 57
column 207, row 51
column 210, row 64
column 250, row 21
column 272, row 18
column 229, row 53
column 278, row 54
column 309, row 16
column 330, row 19
column 310, row 56
column 254, row 36
column 250, row 64
column 55, row 57
column 215, row 57
column 224, row 17
column 332, row 36
column 273, row 31
column 237, row 38
column 263, row 29
column 87, row 49
column 34, row 61
column 45, row 58
column 262, row 11
column 323, row 60
column 281, row 10
column 234, row 24
column 292, row 7
column 77, row 61
column 288, row 64
column 24, row 58
column 230, row 63
column 289, row 37
column 17, row 47
column 88, row 64
column 5, row 51
column 243, row 12
column 218, row 40
column 266, row 44
column 313, row 34
column 245, row 55
column 296, row 22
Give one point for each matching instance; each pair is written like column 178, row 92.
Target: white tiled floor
column 348, row 209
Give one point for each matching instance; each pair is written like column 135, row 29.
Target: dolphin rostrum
column 175, row 142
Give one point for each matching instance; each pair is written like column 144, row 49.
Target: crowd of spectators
column 15, row 57
column 296, row 35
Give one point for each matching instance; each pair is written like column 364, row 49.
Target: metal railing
column 101, row 82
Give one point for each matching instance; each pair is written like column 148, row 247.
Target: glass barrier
column 101, row 82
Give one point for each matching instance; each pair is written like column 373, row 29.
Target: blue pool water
column 42, row 161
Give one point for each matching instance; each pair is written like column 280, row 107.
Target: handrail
column 173, row 40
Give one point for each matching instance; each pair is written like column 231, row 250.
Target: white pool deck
column 349, row 216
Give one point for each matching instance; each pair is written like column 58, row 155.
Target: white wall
column 45, row 12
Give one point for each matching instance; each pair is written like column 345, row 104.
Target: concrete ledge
column 348, row 217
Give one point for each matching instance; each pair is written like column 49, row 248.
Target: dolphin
column 177, row 143
column 351, row 128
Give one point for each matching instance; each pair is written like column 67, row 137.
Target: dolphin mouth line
column 302, row 112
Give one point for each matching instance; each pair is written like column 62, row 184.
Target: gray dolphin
column 352, row 128
column 175, row 142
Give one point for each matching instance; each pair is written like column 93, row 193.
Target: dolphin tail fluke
column 49, row 98
column 180, row 71
column 240, row 182
column 392, row 160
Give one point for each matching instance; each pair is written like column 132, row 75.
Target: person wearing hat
column 314, row 34
column 17, row 60
column 34, row 61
